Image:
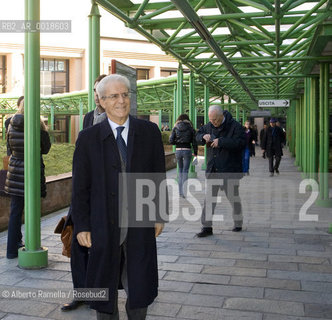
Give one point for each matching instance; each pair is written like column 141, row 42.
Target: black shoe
column 12, row 255
column 277, row 171
column 237, row 229
column 72, row 305
column 205, row 233
column 271, row 174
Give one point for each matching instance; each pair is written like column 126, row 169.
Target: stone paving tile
column 267, row 265
column 277, row 274
column 277, row 317
column 197, row 278
column 204, row 313
column 268, row 250
column 207, row 261
column 165, row 285
column 184, row 267
column 164, row 309
column 316, row 268
column 166, row 258
column 297, row 259
column 227, row 290
column 26, row 307
column 323, row 287
column 318, row 310
column 211, row 247
column 190, row 253
column 81, row 313
column 265, row 306
column 298, row 296
column 21, row 317
column 190, row 299
column 239, row 255
column 266, row 283
column 235, row 271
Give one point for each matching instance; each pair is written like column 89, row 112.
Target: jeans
column 14, row 238
column 183, row 158
column 246, row 160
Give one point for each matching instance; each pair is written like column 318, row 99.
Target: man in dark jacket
column 118, row 256
column 272, row 145
column 80, row 255
column 225, row 140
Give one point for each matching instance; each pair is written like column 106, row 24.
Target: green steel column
column 243, row 116
column 32, row 255
column 297, row 134
column 94, row 50
column 52, row 123
column 160, row 115
column 81, row 115
column 323, row 199
column 69, row 130
column 174, row 110
column 3, row 128
column 192, row 173
column 237, row 113
column 179, row 99
column 313, row 128
column 206, row 118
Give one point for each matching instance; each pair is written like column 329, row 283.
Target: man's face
column 272, row 124
column 215, row 119
column 116, row 102
column 247, row 124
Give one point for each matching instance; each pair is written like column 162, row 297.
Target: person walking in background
column 250, row 144
column 98, row 114
column 225, row 140
column 254, row 134
column 272, row 143
column 79, row 255
column 261, row 139
column 184, row 137
column 14, row 185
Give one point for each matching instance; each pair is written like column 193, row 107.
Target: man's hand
column 158, row 227
column 215, row 143
column 84, row 238
column 207, row 137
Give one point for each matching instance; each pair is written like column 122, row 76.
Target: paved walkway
column 277, row 268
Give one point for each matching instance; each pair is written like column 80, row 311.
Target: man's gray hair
column 105, row 82
column 216, row 108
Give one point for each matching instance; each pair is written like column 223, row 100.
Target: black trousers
column 274, row 166
column 133, row 314
column 231, row 189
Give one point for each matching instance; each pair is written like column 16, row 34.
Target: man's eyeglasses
column 116, row 96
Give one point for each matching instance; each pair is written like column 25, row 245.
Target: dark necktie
column 121, row 144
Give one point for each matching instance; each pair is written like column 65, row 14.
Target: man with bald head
column 225, row 141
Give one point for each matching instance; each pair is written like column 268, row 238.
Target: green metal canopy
column 246, row 49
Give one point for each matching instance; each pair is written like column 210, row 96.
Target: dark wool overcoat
column 227, row 158
column 95, row 204
column 273, row 140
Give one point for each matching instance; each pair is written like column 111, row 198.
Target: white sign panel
column 260, row 113
column 273, row 103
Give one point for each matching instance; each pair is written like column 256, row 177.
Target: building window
column 2, row 74
column 143, row 74
column 167, row 72
column 54, row 76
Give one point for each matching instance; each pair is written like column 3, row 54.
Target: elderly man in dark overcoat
column 225, row 140
column 120, row 256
